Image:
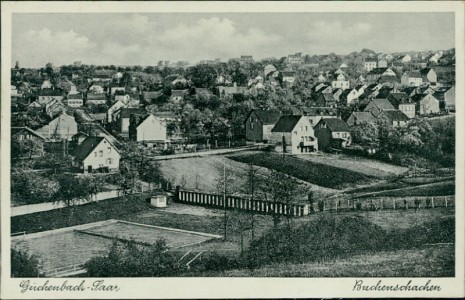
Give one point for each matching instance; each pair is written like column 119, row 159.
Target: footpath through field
column 357, row 164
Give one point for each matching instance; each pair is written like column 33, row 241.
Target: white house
column 46, row 84
column 61, row 127
column 114, row 107
column 340, row 82
column 407, row 58
column 96, row 154
column 295, row 134
column 412, row 78
column 147, row 129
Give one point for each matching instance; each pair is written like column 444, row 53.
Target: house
column 295, row 58
column 53, row 108
column 46, row 85
column 446, row 99
column 411, row 78
column 361, row 117
column 259, row 123
column 321, row 78
column 102, row 76
column 326, row 100
column 375, row 74
column 62, row 126
column 332, row 133
column 96, row 154
column 295, row 134
column 231, row 90
column 75, row 100
column 46, row 95
column 96, row 89
column 96, row 99
column 426, row 104
column 177, row 95
column 315, row 114
column 356, row 92
column 113, row 108
column 246, row 59
column 337, row 94
column 134, row 100
column 121, row 96
column 147, row 129
column 428, row 75
column 396, row 118
column 376, row 106
column 369, row 65
column 340, row 82
column 114, row 89
column 22, row 134
column 382, row 63
column 288, row 76
column 122, row 117
column 402, row 102
column 406, row 58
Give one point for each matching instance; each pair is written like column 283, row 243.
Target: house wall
column 343, row 135
column 343, row 84
column 410, row 81
column 372, row 108
column 428, row 105
column 96, row 102
column 408, row 110
column 63, row 127
column 104, row 155
column 369, row 66
column 253, row 128
column 449, row 99
column 46, row 99
column 112, row 109
column 266, row 129
column 432, row 77
column 151, row 130
column 75, row 102
column 302, row 132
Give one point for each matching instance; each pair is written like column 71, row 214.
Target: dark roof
column 364, row 117
column 85, row 148
column 92, row 96
column 398, row 98
column 127, row 112
column 319, row 111
column 286, row 123
column 382, row 104
column 75, row 96
column 17, row 130
column 328, row 97
column 384, row 92
column 50, row 92
column 335, row 124
column 267, row 117
column 418, row 97
column 395, row 115
column 377, row 71
column 425, row 71
column 414, row 74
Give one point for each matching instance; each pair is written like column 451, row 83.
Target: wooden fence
column 234, row 202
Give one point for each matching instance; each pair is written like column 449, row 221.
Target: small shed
column 159, row 200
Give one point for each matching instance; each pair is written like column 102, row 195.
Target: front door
column 89, row 169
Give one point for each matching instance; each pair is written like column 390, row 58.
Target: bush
column 23, row 264
column 217, row 262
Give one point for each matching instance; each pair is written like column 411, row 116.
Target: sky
column 144, row 39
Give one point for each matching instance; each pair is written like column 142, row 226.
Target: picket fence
column 234, row 202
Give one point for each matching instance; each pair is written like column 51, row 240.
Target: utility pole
column 224, row 201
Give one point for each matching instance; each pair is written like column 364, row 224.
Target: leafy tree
column 129, row 259
column 23, row 264
column 28, row 187
column 203, row 76
column 25, row 148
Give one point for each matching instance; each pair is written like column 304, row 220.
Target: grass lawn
column 432, row 189
column 363, row 165
column 428, row 261
column 316, row 173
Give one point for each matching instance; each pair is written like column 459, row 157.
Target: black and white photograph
column 245, row 149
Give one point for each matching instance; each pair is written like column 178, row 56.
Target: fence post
column 336, row 206
column 382, row 203
column 432, row 202
column 445, row 201
column 394, row 203
column 324, row 205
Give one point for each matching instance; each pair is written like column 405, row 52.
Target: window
column 306, row 128
column 109, row 149
column 95, row 154
column 301, row 128
column 109, row 161
column 100, row 153
column 295, row 132
column 311, row 122
column 344, row 135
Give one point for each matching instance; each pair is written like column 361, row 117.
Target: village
column 231, row 148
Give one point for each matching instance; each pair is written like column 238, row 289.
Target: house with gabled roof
column 375, row 74
column 426, row 104
column 295, row 134
column 428, row 75
column 75, row 100
column 96, row 99
column 395, row 118
column 376, row 106
column 402, row 102
column 53, row 107
column 62, row 126
column 147, row 129
column 23, row 134
column 361, row 117
column 411, row 78
column 96, row 154
column 259, row 123
column 446, row 99
column 46, row 95
column 332, row 133
column 315, row 114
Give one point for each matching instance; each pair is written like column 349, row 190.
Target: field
column 316, row 173
column 204, row 173
column 362, row 165
column 433, row 189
